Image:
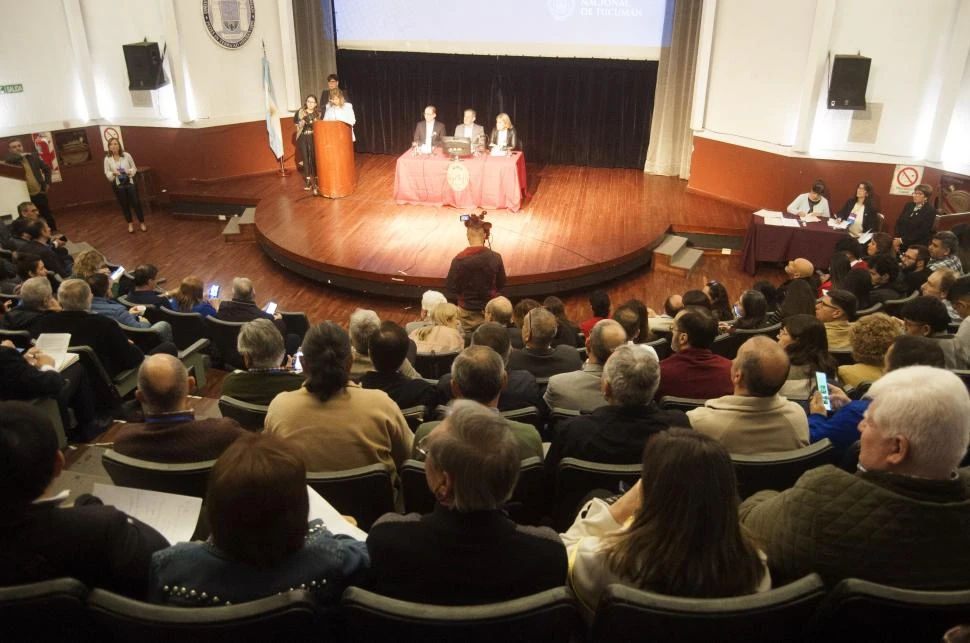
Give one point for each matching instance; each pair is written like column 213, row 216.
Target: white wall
column 765, row 81
column 222, row 86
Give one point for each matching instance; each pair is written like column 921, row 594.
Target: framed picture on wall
column 44, row 148
column 72, row 147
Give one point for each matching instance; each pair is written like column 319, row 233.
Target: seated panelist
column 470, row 129
column 429, row 132
column 503, row 136
column 812, row 202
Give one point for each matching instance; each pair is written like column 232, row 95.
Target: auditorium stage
column 580, row 226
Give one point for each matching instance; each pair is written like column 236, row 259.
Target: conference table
column 779, row 244
column 484, row 181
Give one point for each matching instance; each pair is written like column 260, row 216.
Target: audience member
column 582, row 390
column 36, row 302
column 696, row 299
column 943, row 252
column 839, row 267
column 51, row 251
column 957, row 350
column 842, row 426
column 887, row 283
column 908, row 503
column 566, row 331
column 753, row 309
column 521, row 309
column 96, row 544
column 37, row 177
column 335, row 423
column 388, row 349
column 599, row 303
column 859, row 283
column 754, row 419
column 687, row 486
column 870, row 338
column 837, row 311
column 539, row 357
column 144, row 279
column 261, row 346
column 467, row 551
column 190, row 298
column 521, row 389
column 663, row 323
column 913, row 263
column 962, row 231
column 89, row 262
column 853, row 250
column 170, row 432
column 444, row 334
column 478, row 374
column 799, row 299
column 102, row 304
column 804, row 340
column 616, row 433
column 627, row 317
column 363, row 324
column 938, row 285
column 693, row 370
column 720, row 301
column 926, row 317
column 881, row 243
column 261, row 544
column 429, row 300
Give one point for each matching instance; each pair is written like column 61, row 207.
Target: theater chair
column 251, row 417
column 661, row 346
column 414, row 415
column 187, row 479
column 147, row 339
column 626, row 614
column 108, row 391
column 366, row 493
column 292, row 616
column 684, row 404
column 187, row 328
column 224, row 335
column 550, row 616
column 860, row 610
column 434, row 365
column 51, row 610
column 779, row 471
column 842, row 355
column 20, row 338
column 296, row 323
column 575, row 478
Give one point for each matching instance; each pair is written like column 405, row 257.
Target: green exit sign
column 11, row 89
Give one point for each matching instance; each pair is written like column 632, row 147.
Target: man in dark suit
column 38, row 177
column 52, row 252
column 470, row 129
column 98, row 545
column 429, row 132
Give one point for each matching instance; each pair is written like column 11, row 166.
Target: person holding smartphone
column 243, row 308
column 120, row 169
column 190, row 299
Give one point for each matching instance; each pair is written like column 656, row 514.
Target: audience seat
column 550, row 616
column 858, row 610
column 285, row 617
column 575, row 478
column 251, row 417
column 626, row 614
column 779, row 471
column 842, row 355
column 366, row 493
column 188, row 479
column 51, row 610
column 414, row 415
column 224, row 335
column 434, row 365
column 296, row 323
column 684, row 404
column 147, row 339
column 727, row 344
column 187, row 328
column 875, row 308
column 893, row 306
column 20, row 338
column 108, row 391
column 661, row 346
column 52, row 411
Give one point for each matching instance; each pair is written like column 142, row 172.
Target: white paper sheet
column 782, row 223
column 768, row 214
column 172, row 515
column 55, row 345
column 865, row 237
column 332, row 520
column 811, row 219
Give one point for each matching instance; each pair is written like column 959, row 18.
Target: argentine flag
column 272, row 113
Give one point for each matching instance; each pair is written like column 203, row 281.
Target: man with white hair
column 616, row 433
column 261, row 346
column 429, row 301
column 243, row 308
column 36, row 301
column 363, row 324
column 582, row 390
column 903, row 518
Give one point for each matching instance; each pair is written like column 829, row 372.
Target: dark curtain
column 565, row 111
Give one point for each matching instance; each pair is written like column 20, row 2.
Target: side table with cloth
column 494, row 182
column 780, row 244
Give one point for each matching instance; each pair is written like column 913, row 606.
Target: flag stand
column 282, row 171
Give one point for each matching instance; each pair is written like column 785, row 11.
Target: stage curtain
column 671, row 139
column 316, row 50
column 566, row 111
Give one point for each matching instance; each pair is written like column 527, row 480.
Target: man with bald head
column 539, row 357
column 755, row 419
column 581, row 390
column 663, row 323
column 499, row 310
column 170, row 432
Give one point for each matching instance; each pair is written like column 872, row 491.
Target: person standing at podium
column 338, row 109
column 304, row 119
column 429, row 132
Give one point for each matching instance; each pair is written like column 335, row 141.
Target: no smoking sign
column 905, row 178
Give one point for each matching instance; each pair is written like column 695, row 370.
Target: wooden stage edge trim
column 412, row 287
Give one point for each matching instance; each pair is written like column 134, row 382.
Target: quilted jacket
column 878, row 526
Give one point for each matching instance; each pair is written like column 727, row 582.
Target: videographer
column 476, row 274
column 119, row 168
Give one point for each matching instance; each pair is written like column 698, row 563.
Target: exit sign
column 11, row 89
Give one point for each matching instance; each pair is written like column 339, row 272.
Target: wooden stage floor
column 580, row 227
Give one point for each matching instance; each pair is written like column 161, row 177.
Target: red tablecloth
column 493, row 181
column 777, row 244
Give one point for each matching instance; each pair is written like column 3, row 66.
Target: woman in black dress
column 304, row 120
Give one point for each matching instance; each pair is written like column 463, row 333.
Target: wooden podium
column 334, row 148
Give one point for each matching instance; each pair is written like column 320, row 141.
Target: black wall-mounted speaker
column 144, row 64
column 847, row 87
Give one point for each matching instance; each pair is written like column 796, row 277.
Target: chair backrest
column 188, row 479
column 187, row 328
column 781, row 470
column 105, row 393
column 661, row 346
column 51, row 610
column 875, row 308
column 681, row 403
column 547, row 616
column 781, row 614
column 20, row 338
column 434, row 365
column 769, row 331
column 414, row 485
column 859, row 610
column 285, row 617
column 414, row 416
column 251, row 417
column 893, row 306
column 147, row 339
column 527, row 415
column 224, row 335
column 575, row 478
column 366, row 493
column 727, row 345
column 296, row 323
column 843, row 356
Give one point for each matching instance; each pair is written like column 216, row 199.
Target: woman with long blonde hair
column 443, row 335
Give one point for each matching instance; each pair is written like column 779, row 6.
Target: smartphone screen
column 822, row 381
column 213, row 291
column 271, row 308
column 120, row 270
column 297, row 364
